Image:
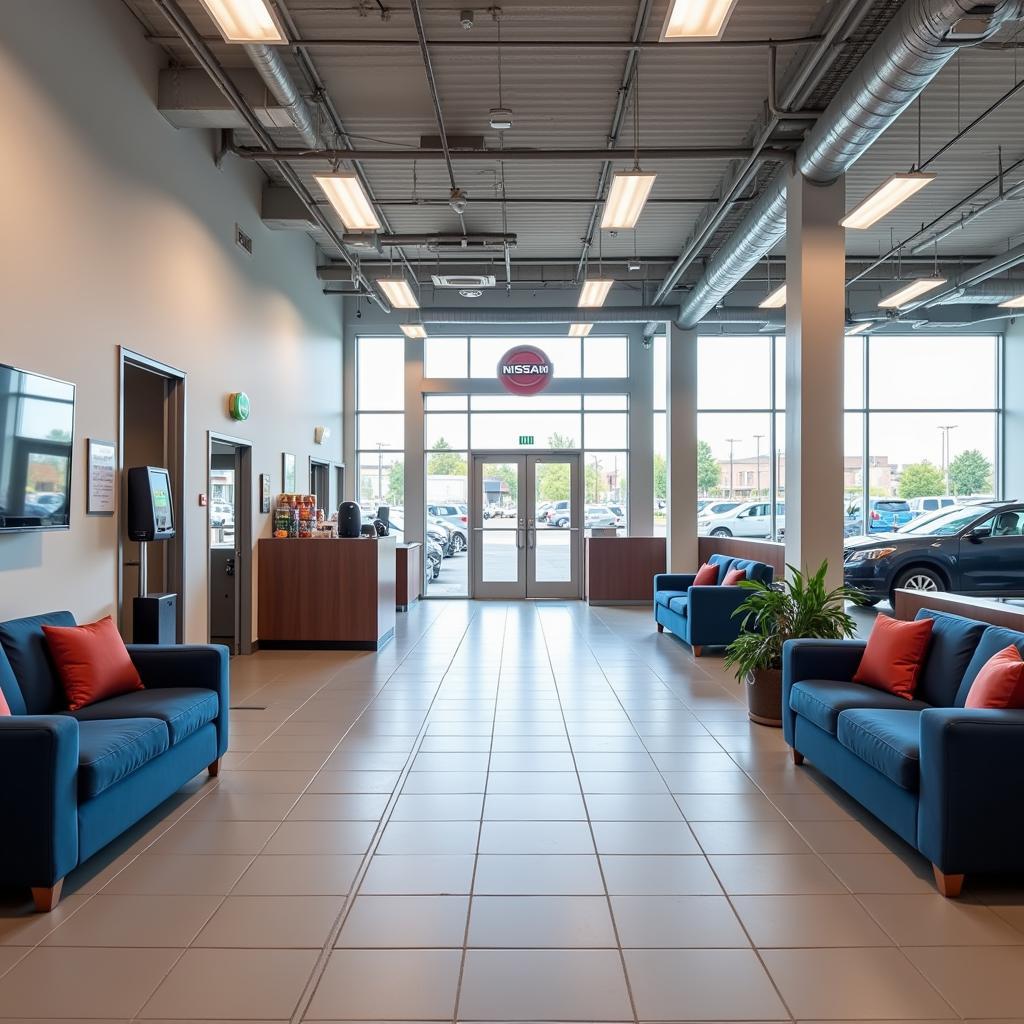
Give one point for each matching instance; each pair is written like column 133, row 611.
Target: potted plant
column 800, row 606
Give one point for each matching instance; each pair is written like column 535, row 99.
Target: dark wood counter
column 327, row 593
column 621, row 570
column 409, row 574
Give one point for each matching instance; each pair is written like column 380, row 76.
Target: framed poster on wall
column 287, row 473
column 264, row 493
column 101, row 461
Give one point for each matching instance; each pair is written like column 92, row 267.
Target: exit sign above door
column 526, row 438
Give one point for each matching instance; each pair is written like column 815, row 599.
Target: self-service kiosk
column 151, row 518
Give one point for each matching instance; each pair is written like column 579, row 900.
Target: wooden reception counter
column 327, row 593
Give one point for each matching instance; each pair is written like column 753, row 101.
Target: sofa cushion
column 182, row 710
column 954, row 641
column 680, row 605
column 734, row 577
column 894, row 655
column 25, row 647
column 821, row 701
column 707, row 575
column 993, row 640
column 111, row 750
column 758, row 572
column 889, row 741
column 665, row 597
column 1000, row 683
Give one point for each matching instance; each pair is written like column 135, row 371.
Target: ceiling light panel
column 855, row 329
column 696, row 19
column 775, row 300
column 397, row 291
column 626, row 199
column 1017, row 303
column 414, row 330
column 594, row 292
column 246, row 21
column 911, row 291
column 896, row 191
column 345, row 193
column 580, row 330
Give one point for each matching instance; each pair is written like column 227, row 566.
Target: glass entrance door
column 527, row 524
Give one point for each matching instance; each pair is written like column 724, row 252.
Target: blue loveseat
column 73, row 781
column 703, row 616
column 947, row 779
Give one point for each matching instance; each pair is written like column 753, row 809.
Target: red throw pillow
column 707, row 575
column 92, row 662
column 892, row 660
column 1000, row 683
column 5, row 708
column 734, row 576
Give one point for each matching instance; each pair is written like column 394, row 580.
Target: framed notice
column 264, row 492
column 101, row 459
column 287, row 473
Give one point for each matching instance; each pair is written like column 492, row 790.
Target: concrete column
column 815, row 318
column 415, row 499
column 641, row 436
column 1013, row 414
column 348, row 412
column 681, row 530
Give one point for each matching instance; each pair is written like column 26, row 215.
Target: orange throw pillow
column 5, row 708
column 92, row 662
column 894, row 655
column 734, row 576
column 707, row 575
column 1000, row 683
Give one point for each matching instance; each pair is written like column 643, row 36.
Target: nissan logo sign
column 524, row 370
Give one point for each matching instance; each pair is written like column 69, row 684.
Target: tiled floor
column 524, row 812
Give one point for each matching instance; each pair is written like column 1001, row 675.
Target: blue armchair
column 946, row 779
column 78, row 779
column 704, row 616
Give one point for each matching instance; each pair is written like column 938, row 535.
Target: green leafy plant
column 800, row 606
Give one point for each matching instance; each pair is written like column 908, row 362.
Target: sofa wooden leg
column 798, row 758
column 949, row 885
column 661, row 628
column 46, row 897
column 214, row 769
column 697, row 650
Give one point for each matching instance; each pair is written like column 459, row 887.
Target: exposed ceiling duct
column 973, row 277
column 268, row 64
column 983, row 293
column 915, row 46
column 562, row 315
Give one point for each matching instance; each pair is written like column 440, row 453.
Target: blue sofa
column 948, row 780
column 703, row 616
column 75, row 780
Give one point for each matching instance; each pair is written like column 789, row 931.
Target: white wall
column 119, row 230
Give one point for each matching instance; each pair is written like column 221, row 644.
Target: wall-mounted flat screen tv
column 37, row 427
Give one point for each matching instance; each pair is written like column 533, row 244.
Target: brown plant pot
column 764, row 697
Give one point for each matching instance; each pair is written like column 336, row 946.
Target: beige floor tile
column 438, row 807
column 709, row 782
column 727, row 807
column 701, row 985
column 429, row 837
column 136, row 921
column 536, row 837
column 405, row 922
column 263, row 782
column 677, row 922
column 843, row 837
column 537, row 875
column 223, row 806
column 775, row 875
column 233, row 984
column 644, row 837
column 178, row 875
column 190, row 835
column 299, row 875
column 10, row 955
column 978, row 982
column 564, row 985
column 353, row 782
column 20, row 925
column 881, row 872
column 806, row 921
column 321, row 837
column 748, row 837
column 387, row 984
column 541, row 921
column 271, row 922
column 659, row 875
column 105, row 983
column 933, row 920
column 422, row 875
column 853, row 984
column 339, row 807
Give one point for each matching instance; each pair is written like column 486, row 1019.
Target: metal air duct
column 278, row 79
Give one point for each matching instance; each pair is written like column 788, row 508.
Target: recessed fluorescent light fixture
column 908, row 293
column 776, row 300
column 696, row 19
column 1017, row 303
column 345, row 193
column 397, row 291
column 896, row 191
column 414, row 330
column 594, row 292
column 246, row 21
column 854, row 329
column 626, row 199
column 580, row 330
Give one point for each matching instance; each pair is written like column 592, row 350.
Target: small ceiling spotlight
column 500, row 118
column 470, row 293
column 458, row 201
column 466, row 19
column 633, row 266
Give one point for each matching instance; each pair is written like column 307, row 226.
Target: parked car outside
column 977, row 548
column 932, row 503
column 748, row 519
column 619, row 511
column 595, row 516
column 715, row 506
column 884, row 514
column 557, row 514
column 457, row 518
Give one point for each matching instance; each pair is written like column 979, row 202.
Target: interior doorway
column 320, row 484
column 229, row 542
column 151, row 432
column 527, row 525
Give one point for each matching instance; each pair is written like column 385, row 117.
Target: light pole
column 732, row 442
column 946, row 428
column 759, row 438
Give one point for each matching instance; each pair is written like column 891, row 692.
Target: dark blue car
column 973, row 549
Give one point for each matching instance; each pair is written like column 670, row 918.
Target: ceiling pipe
column 554, row 315
column 985, row 292
column 510, row 155
column 904, row 59
column 278, row 79
column 428, row 67
column 1013, row 192
column 969, row 279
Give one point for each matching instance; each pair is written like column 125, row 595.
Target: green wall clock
column 238, row 405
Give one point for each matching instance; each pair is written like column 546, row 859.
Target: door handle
column 229, row 567
column 531, row 535
column 519, row 538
